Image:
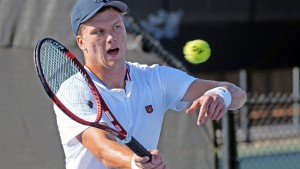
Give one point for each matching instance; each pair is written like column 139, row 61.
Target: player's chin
column 115, row 60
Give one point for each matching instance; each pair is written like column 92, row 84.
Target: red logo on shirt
column 149, row 108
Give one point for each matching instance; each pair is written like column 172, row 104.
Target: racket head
column 60, row 73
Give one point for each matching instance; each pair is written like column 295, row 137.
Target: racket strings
column 66, row 79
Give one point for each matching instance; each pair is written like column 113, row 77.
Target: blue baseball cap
column 86, row 9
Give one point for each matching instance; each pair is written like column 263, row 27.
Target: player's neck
column 112, row 78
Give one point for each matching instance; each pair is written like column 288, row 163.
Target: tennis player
column 137, row 94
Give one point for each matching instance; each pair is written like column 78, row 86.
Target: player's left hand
column 211, row 107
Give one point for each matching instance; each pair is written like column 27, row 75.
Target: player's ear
column 80, row 42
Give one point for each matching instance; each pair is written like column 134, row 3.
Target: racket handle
column 138, row 149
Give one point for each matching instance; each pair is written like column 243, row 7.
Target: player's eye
column 116, row 27
column 98, row 32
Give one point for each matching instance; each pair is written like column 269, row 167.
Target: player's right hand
column 144, row 163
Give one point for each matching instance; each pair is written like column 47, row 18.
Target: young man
column 139, row 95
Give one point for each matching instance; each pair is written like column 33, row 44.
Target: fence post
column 244, row 110
column 229, row 145
column 296, row 97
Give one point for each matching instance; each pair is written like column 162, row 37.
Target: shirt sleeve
column 174, row 83
column 68, row 128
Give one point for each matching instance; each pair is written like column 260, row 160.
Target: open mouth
column 113, row 51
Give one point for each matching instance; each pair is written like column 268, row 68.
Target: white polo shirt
column 150, row 92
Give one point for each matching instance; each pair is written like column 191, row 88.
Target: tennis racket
column 71, row 88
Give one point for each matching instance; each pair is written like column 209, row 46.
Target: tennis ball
column 196, row 51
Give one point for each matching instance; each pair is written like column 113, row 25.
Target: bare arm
column 114, row 155
column 105, row 147
column 211, row 105
column 199, row 87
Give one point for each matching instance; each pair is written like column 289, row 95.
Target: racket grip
column 138, row 149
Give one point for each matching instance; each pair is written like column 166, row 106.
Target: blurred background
column 254, row 45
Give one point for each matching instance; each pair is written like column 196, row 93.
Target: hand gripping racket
column 71, row 88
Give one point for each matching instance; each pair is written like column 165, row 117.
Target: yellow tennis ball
column 196, row 51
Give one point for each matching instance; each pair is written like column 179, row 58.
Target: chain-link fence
column 266, row 133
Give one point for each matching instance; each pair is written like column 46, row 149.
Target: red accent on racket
column 71, row 88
